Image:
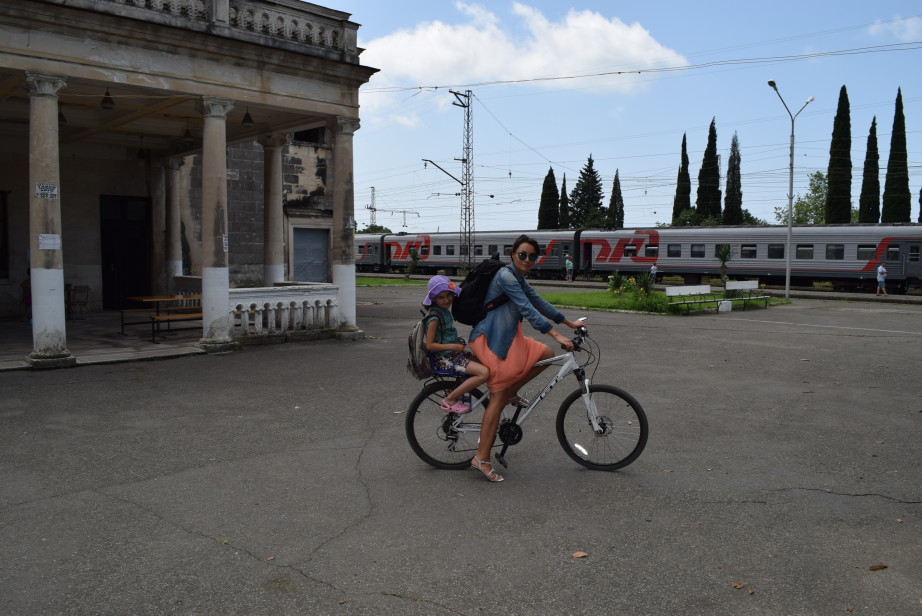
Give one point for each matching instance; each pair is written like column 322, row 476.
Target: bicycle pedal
column 501, row 460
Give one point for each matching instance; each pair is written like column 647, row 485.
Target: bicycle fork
column 592, row 411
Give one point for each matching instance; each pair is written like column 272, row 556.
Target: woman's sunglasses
column 531, row 256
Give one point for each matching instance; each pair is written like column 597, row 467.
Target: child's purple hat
column 437, row 284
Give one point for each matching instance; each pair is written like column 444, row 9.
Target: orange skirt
column 522, row 355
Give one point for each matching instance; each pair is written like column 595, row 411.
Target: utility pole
column 372, row 208
column 467, row 179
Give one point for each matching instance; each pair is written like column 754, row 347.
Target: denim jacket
column 501, row 324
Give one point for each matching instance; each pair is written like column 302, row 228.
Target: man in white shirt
column 882, row 279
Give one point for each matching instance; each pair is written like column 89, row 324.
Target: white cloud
column 481, row 49
column 903, row 30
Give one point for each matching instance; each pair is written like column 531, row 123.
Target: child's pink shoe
column 458, row 407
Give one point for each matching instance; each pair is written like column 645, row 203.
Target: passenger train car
column 846, row 255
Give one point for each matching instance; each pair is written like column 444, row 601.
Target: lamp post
column 787, row 250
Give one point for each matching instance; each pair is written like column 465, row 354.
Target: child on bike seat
column 448, row 349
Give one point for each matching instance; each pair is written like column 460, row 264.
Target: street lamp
column 787, row 250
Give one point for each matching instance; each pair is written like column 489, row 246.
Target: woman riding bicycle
column 498, row 342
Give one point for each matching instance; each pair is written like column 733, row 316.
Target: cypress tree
column 839, row 174
column 564, row 205
column 549, row 208
column 682, row 201
column 897, row 198
column 869, row 200
column 616, row 205
column 733, row 202
column 586, row 198
column 708, row 203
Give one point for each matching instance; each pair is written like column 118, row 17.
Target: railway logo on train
column 845, row 255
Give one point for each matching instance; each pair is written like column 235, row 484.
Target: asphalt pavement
column 781, row 477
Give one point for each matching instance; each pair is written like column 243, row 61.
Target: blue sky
column 631, row 115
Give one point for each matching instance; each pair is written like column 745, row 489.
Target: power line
column 910, row 46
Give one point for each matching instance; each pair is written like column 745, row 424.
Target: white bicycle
column 600, row 426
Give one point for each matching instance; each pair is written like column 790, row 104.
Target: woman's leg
column 535, row 371
column 489, row 424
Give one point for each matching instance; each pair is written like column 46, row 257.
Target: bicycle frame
column 570, row 365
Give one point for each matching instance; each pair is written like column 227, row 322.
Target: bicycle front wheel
column 443, row 440
column 622, row 433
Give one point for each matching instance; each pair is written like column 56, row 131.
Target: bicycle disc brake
column 605, row 426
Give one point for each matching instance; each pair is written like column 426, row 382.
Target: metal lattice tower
column 467, row 180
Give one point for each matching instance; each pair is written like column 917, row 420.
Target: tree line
column 828, row 200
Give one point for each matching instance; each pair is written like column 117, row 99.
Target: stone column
column 159, row 279
column 173, row 221
column 343, row 239
column 273, row 220
column 49, row 335
column 216, row 320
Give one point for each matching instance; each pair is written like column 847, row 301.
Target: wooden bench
column 747, row 291
column 130, row 311
column 157, row 319
column 690, row 295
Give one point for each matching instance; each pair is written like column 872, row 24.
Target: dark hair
column 524, row 239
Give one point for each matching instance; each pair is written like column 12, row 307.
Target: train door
column 913, row 267
column 586, row 260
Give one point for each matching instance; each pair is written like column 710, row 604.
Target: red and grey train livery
column 845, row 255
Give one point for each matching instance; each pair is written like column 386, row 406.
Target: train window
column 437, row 250
column 359, row 249
column 776, row 251
column 507, row 249
column 673, row 250
column 478, row 250
column 630, row 251
column 697, row 251
column 748, row 251
column 651, row 251
column 866, row 252
column 835, row 252
column 893, row 253
column 913, row 254
column 450, row 249
column 804, row 251
column 717, row 247
column 491, row 249
column 424, row 251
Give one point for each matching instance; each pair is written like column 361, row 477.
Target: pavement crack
column 367, row 491
column 419, row 600
column 857, row 495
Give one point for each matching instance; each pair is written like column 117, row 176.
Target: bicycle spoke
column 622, row 432
column 443, row 440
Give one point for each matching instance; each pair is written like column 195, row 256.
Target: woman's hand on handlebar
column 565, row 342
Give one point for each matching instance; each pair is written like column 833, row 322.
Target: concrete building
column 144, row 141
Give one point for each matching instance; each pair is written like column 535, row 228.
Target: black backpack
column 471, row 307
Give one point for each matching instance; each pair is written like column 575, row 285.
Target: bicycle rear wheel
column 623, row 424
column 440, row 439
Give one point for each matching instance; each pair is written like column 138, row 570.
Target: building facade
column 145, row 140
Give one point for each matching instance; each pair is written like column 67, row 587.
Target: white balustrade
column 267, row 311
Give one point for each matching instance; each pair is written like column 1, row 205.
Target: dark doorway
column 125, row 240
column 311, row 255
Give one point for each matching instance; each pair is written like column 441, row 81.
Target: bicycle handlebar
column 581, row 332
